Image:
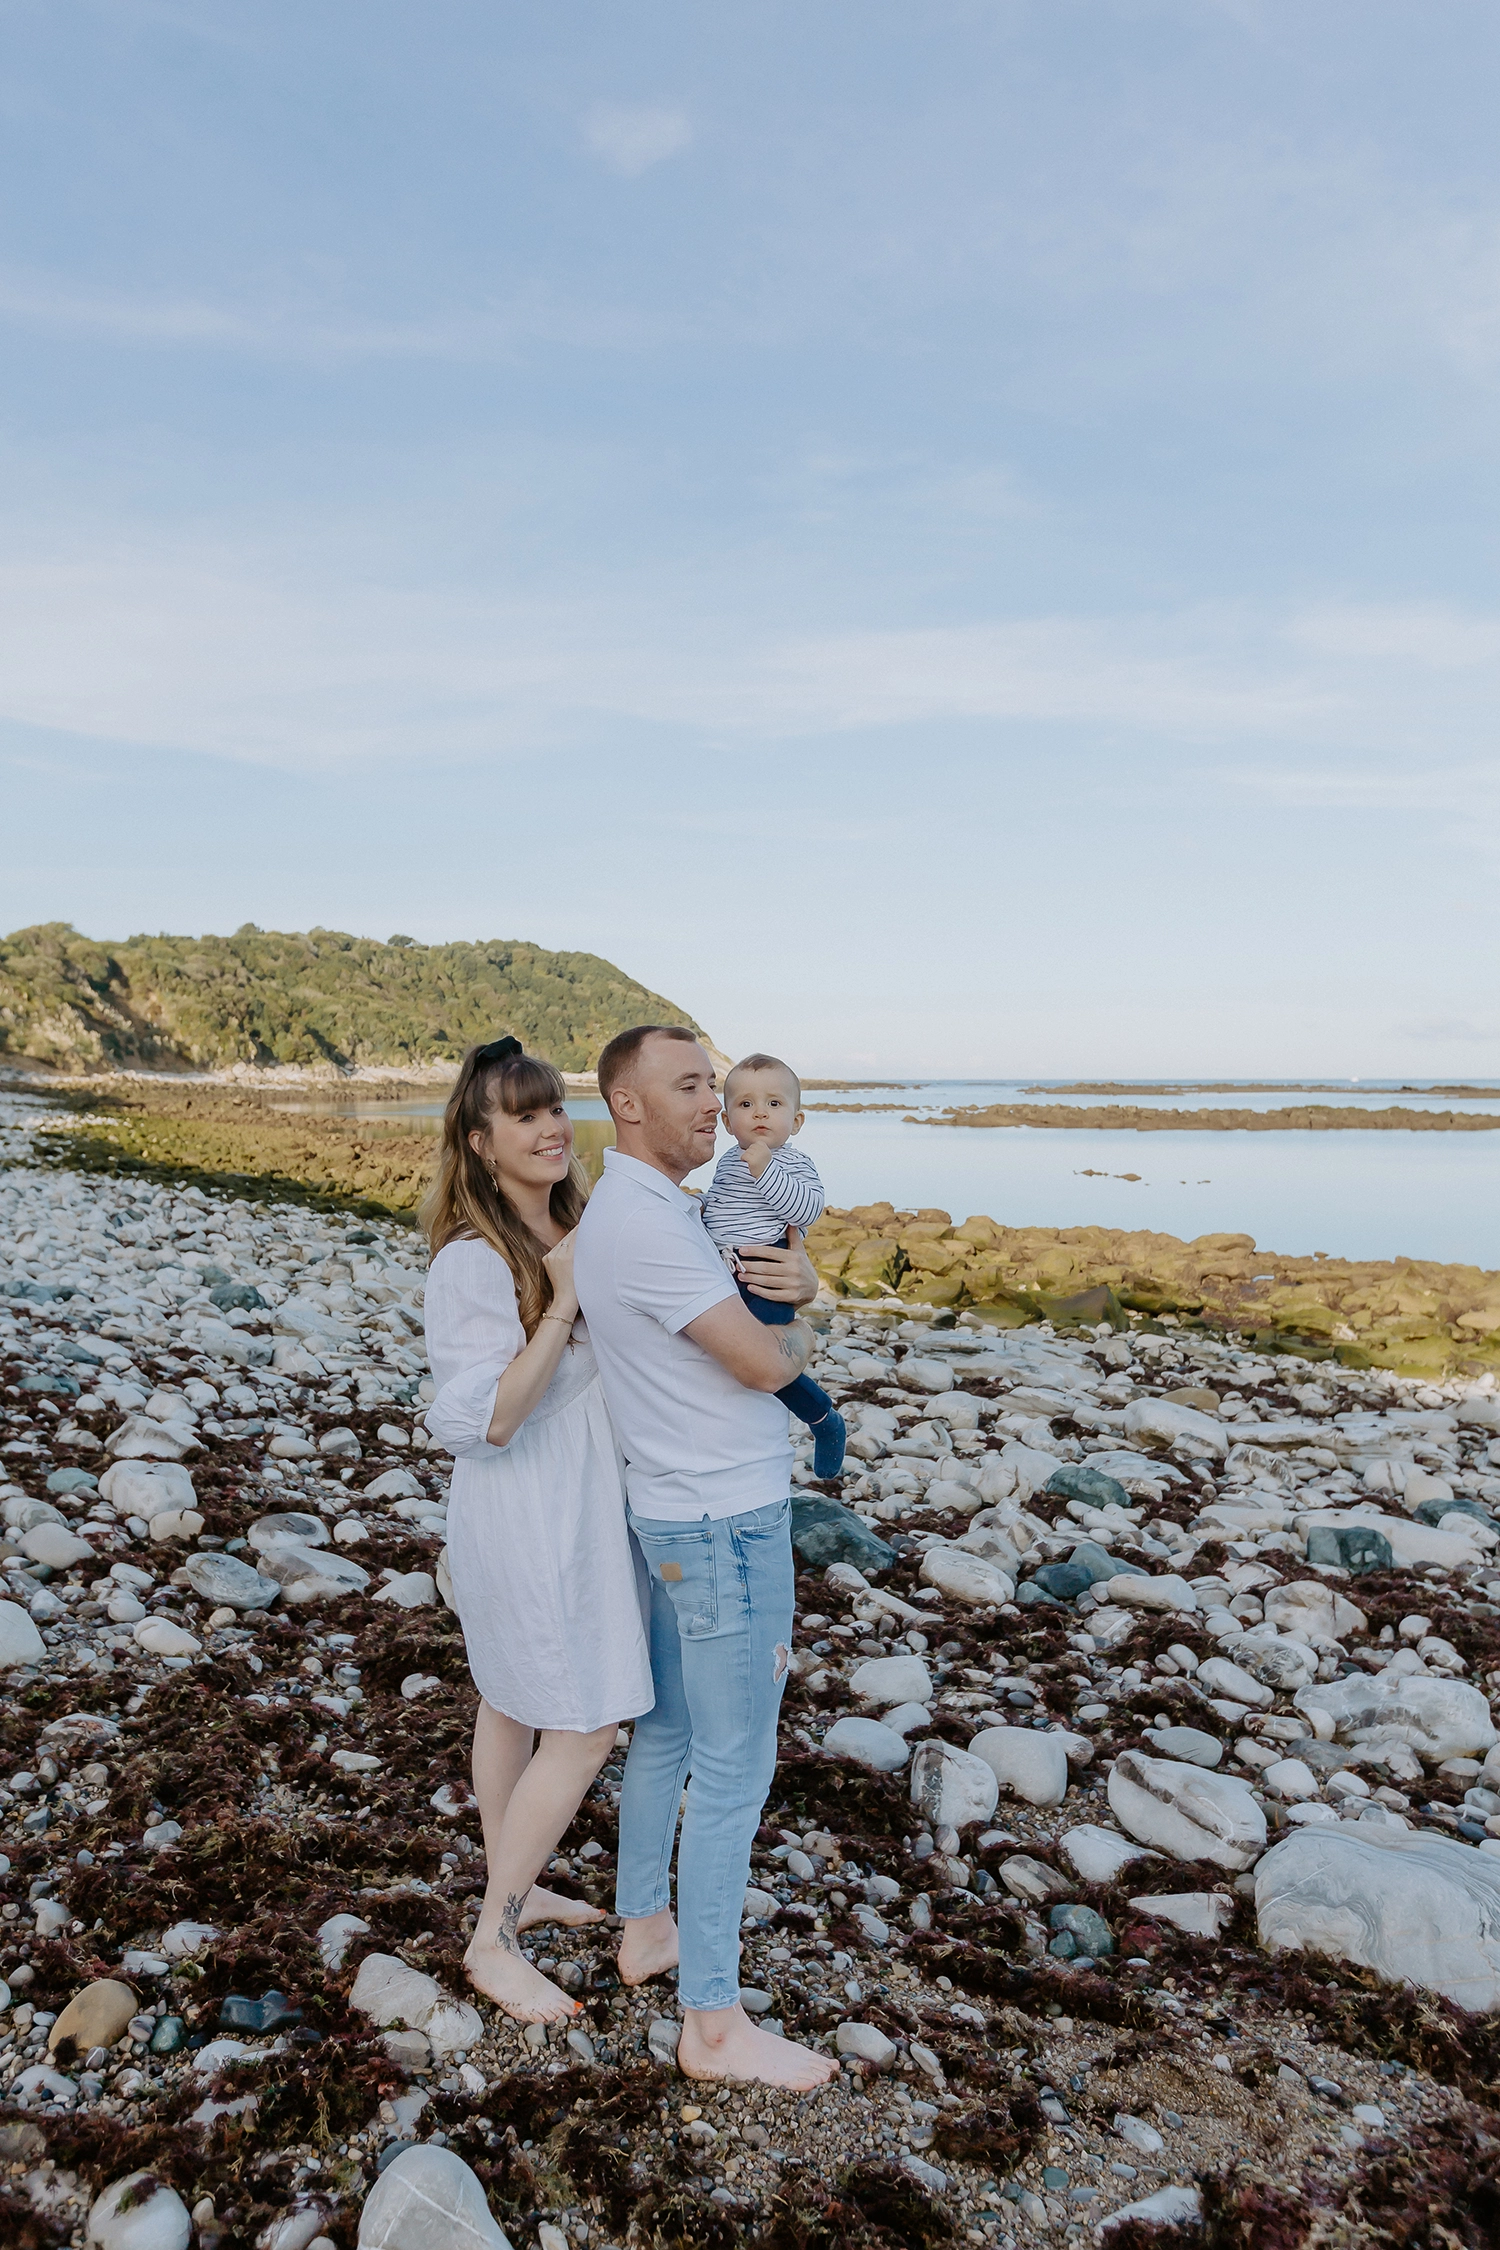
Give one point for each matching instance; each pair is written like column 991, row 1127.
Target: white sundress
column 545, row 1575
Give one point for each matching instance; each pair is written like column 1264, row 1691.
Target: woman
column 543, row 1576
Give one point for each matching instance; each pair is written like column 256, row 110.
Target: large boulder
column 1439, row 1718
column 1167, row 1591
column 952, row 1788
column 966, row 1577
column 140, row 2212
column 1280, row 1664
column 428, row 2199
column 929, row 1375
column 146, row 1488
column 1193, row 1815
column 1413, row 1545
column 20, row 1642
column 865, row 1742
column 1075, row 1480
column 1223, row 1677
column 825, row 1531
column 56, row 1546
column 229, row 1583
column 1312, row 1611
column 141, row 1438
column 1029, row 1762
column 1097, row 1854
column 1183, row 1426
column 388, row 1990
column 306, row 1574
column 886, row 1681
column 1030, row 1467
column 289, row 1528
column 95, row 2017
column 1416, row 1908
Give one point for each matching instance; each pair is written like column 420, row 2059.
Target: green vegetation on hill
column 319, row 996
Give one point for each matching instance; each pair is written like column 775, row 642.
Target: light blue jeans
column 721, row 1626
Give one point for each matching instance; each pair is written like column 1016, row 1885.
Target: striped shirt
column 740, row 1208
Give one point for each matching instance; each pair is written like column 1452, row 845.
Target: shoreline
column 1414, row 1315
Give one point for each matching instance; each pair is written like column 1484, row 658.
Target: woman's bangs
column 526, row 1083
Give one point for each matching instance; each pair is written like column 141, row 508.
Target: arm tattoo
column 793, row 1348
column 510, row 1916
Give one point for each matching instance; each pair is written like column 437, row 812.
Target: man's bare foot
column 515, row 1986
column 648, row 1948
column 722, row 2043
column 551, row 1906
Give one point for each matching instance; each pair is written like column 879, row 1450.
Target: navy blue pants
column 804, row 1398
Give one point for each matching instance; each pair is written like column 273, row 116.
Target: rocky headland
column 318, row 1000
column 1115, row 1117
column 1406, row 1314
column 1135, row 1843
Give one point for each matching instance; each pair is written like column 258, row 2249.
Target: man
column 688, row 1373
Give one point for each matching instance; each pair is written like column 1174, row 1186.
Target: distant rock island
column 314, row 998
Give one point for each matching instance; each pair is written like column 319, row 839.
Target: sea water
column 1353, row 1194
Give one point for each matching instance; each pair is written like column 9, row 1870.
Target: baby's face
column 761, row 1105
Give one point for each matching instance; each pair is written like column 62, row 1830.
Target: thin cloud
column 631, row 139
column 291, row 330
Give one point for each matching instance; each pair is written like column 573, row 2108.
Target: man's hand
column 785, row 1276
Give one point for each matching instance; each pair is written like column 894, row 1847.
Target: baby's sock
column 828, row 1444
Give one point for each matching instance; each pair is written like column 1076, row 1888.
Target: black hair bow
column 499, row 1050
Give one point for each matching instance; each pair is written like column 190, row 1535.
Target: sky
column 954, row 539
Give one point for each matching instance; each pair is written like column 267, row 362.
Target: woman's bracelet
column 567, row 1319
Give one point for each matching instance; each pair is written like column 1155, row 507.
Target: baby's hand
column 757, row 1155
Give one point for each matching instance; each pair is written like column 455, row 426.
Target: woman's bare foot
column 550, row 1906
column 722, row 2043
column 515, row 1986
column 648, row 1948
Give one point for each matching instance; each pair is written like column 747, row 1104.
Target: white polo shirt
column 696, row 1442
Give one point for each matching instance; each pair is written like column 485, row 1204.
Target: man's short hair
column 617, row 1063
column 766, row 1062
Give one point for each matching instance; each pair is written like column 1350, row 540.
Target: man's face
column 669, row 1113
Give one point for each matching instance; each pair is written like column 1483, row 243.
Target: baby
column 759, row 1189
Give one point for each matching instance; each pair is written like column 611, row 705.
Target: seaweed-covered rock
column 140, row 2212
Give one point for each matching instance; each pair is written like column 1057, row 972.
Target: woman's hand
column 559, row 1265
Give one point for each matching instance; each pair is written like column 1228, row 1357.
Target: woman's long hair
column 464, row 1200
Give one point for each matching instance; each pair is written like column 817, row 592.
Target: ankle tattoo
column 510, row 1916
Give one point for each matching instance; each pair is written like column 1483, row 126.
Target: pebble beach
column 1135, row 1843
